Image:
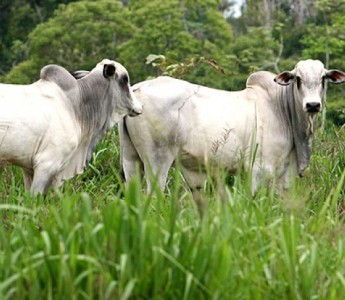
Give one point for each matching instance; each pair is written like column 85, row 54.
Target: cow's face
column 125, row 101
column 308, row 79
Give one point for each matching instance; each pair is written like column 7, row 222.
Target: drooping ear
column 79, row 74
column 108, row 70
column 335, row 76
column 284, row 78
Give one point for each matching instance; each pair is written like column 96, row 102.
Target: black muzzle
column 313, row 107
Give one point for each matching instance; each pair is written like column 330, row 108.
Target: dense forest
column 198, row 40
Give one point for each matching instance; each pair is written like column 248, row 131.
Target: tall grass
column 97, row 239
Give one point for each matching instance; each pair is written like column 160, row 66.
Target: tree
column 325, row 40
column 18, row 18
column 78, row 36
column 254, row 51
column 292, row 14
column 179, row 29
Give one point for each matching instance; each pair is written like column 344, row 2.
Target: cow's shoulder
column 58, row 75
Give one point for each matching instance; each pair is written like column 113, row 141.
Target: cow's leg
column 129, row 158
column 131, row 167
column 28, row 177
column 255, row 180
column 156, row 169
column 290, row 172
column 196, row 180
column 260, row 175
column 267, row 174
column 42, row 178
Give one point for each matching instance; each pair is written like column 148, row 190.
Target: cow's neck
column 298, row 125
column 94, row 111
column 94, row 107
column 303, row 126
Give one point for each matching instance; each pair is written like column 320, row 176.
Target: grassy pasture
column 96, row 239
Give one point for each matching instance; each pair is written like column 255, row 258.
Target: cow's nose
column 135, row 112
column 313, row 107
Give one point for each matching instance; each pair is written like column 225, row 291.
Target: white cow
column 50, row 128
column 268, row 126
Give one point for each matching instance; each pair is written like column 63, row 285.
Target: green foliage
column 255, row 50
column 326, row 41
column 326, row 37
column 322, row 39
column 186, row 29
column 18, row 18
column 159, row 30
column 168, row 66
column 97, row 239
column 81, row 34
column 78, row 36
column 193, row 36
column 24, row 73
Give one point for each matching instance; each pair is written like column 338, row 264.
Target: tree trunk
column 324, row 111
column 268, row 14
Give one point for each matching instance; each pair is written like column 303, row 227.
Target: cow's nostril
column 135, row 112
column 313, row 107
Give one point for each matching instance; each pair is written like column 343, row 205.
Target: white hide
column 265, row 126
column 44, row 126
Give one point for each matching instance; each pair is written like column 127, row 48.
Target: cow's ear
column 79, row 74
column 284, row 78
column 335, row 76
column 108, row 70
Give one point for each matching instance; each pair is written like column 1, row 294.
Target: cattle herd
column 51, row 127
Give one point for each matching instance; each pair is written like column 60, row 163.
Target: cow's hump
column 263, row 79
column 58, row 75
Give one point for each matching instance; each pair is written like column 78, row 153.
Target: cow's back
column 19, row 105
column 166, row 91
column 31, row 116
column 191, row 119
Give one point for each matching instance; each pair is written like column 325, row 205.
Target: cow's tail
column 123, row 135
column 128, row 152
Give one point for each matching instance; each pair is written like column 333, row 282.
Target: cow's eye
column 124, row 79
column 299, row 81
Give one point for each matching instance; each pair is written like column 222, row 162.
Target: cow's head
column 123, row 101
column 308, row 79
column 126, row 102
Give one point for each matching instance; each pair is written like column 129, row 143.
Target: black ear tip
column 79, row 74
column 108, row 70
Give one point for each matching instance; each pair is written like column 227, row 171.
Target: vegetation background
column 268, row 35
column 97, row 239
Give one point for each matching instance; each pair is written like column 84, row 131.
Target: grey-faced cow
column 50, row 128
column 268, row 126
